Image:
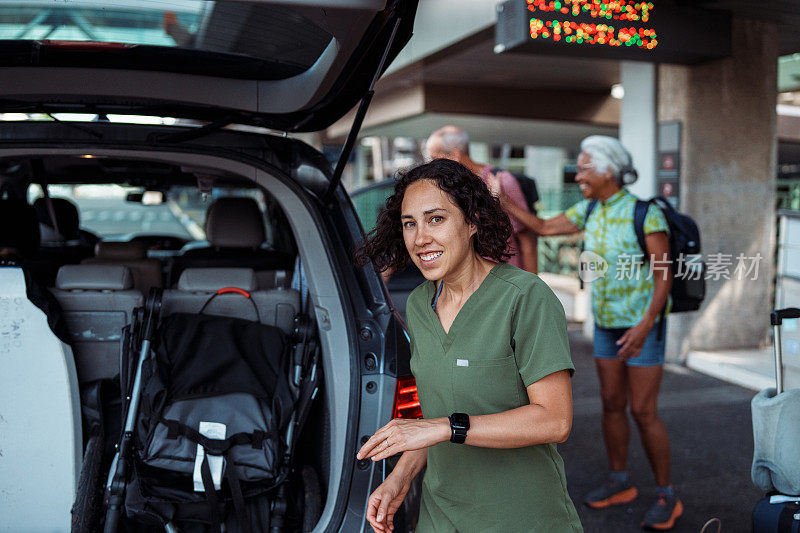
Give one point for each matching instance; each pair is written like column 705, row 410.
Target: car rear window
column 234, row 39
column 106, row 210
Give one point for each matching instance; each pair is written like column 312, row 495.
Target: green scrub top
column 510, row 333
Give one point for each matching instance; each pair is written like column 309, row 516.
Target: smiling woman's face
column 437, row 236
column 592, row 183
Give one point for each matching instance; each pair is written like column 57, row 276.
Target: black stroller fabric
column 213, row 369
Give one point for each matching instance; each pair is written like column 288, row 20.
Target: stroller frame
column 303, row 384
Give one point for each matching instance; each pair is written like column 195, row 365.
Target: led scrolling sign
column 610, row 23
column 636, row 30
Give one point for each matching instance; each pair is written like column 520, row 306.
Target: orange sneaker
column 662, row 515
column 611, row 493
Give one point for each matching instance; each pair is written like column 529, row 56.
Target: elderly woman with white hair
column 629, row 309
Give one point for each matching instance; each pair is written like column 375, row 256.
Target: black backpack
column 528, row 186
column 210, row 418
column 688, row 269
column 529, row 191
column 219, row 369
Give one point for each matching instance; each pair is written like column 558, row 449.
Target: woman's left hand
column 633, row 340
column 495, row 186
column 401, row 435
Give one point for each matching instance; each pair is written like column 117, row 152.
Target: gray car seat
column 67, row 218
column 235, row 231
column 196, row 286
column 146, row 271
column 97, row 302
column 69, row 245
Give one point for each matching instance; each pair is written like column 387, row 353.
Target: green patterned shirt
column 622, row 296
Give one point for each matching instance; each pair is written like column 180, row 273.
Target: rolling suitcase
column 777, row 514
column 776, row 454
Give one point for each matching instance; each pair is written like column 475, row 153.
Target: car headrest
column 120, row 251
column 235, row 223
column 19, row 226
column 213, row 279
column 94, row 278
column 66, row 216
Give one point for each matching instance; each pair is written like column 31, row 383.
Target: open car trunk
column 287, row 65
column 340, row 412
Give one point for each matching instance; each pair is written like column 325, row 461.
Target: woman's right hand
column 385, row 501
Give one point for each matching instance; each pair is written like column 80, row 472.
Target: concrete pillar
column 637, row 127
column 546, row 164
column 727, row 172
column 479, row 151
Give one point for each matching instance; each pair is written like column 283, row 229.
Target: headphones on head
column 627, row 175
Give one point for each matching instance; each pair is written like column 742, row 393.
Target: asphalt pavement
column 711, row 441
column 708, row 420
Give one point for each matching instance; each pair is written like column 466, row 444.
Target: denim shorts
column 652, row 354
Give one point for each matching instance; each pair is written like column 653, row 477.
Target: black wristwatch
column 459, row 424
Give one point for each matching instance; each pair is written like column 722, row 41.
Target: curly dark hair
column 385, row 246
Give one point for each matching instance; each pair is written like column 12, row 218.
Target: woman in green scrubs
column 492, row 364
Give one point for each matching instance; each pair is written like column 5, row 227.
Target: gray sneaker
column 662, row 515
column 611, row 493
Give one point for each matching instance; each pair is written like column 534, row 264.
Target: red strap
column 237, row 290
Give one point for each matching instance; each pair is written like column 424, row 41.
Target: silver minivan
column 177, row 104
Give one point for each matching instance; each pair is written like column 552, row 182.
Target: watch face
column 460, row 420
column 459, row 424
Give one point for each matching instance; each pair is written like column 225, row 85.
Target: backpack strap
column 639, row 214
column 218, row 446
column 213, row 502
column 589, row 210
column 211, row 495
column 221, row 447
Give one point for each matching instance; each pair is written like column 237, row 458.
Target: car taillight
column 406, row 400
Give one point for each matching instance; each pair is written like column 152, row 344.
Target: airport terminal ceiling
column 470, row 63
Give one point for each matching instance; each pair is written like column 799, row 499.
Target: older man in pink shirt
column 451, row 142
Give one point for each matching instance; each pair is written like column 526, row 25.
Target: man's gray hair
column 608, row 154
column 451, row 138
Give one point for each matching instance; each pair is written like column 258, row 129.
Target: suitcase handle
column 776, row 317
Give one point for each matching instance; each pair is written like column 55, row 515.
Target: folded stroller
column 776, row 454
column 214, row 405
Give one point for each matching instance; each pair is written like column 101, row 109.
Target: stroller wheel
column 312, row 498
column 86, row 508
